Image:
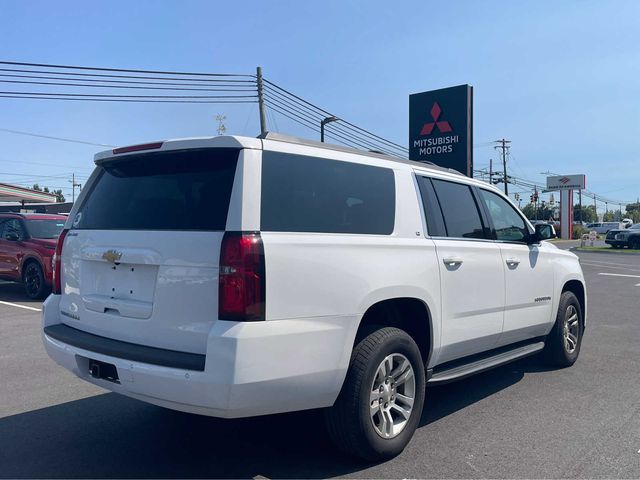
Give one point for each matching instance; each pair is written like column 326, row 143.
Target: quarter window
column 459, row 208
column 508, row 224
column 308, row 194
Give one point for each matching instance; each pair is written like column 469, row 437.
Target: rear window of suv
column 308, row 194
column 174, row 190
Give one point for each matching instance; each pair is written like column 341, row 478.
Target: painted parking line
column 619, row 275
column 20, row 306
column 602, row 262
column 608, row 266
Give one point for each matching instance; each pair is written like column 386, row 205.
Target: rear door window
column 308, row 194
column 459, row 209
column 173, row 190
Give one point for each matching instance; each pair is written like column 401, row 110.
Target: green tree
column 59, row 196
column 608, row 216
column 633, row 212
column 58, row 193
column 588, row 213
column 529, row 211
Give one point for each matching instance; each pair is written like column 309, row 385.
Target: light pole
column 323, row 122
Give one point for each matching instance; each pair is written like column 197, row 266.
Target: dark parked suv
column 27, row 244
column 621, row 238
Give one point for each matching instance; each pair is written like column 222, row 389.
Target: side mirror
column 12, row 236
column 544, row 231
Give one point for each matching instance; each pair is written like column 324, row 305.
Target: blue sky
column 559, row 79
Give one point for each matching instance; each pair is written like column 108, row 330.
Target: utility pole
column 73, row 187
column 503, row 144
column 263, row 116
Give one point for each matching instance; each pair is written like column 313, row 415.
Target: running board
column 461, row 371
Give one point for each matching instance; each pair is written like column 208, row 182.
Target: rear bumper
column 250, row 368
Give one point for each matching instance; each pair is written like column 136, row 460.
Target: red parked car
column 27, row 244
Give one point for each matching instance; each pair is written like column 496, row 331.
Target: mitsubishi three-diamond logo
column 441, row 125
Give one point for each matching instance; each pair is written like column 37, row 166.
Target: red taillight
column 242, row 277
column 57, row 264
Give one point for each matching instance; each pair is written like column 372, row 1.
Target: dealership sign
column 441, row 128
column 567, row 182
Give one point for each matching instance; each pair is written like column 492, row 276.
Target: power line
column 90, row 77
column 316, row 117
column 316, row 121
column 87, row 77
column 136, row 87
column 326, row 113
column 104, row 95
column 26, row 96
column 310, row 124
column 18, row 132
column 103, row 69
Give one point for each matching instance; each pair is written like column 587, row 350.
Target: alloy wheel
column 393, row 392
column 32, row 279
column 571, row 329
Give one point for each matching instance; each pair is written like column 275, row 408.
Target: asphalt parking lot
column 518, row 421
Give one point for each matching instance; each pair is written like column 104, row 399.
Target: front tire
column 634, row 244
column 381, row 400
column 563, row 342
column 33, row 281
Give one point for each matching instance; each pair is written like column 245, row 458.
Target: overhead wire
column 318, row 118
column 103, row 69
column 50, row 137
column 326, row 113
column 196, row 81
column 124, row 100
column 135, row 87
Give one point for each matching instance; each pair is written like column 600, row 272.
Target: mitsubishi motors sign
column 440, row 128
column 567, row 182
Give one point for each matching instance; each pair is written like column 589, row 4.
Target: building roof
column 13, row 193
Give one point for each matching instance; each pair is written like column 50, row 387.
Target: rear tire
column 562, row 345
column 634, row 244
column 33, row 280
column 386, row 365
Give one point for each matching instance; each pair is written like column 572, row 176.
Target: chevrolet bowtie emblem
column 112, row 256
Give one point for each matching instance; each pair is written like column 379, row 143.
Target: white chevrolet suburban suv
column 234, row 277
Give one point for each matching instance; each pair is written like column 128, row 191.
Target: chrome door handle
column 452, row 261
column 513, row 262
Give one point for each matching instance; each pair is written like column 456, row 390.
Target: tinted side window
column 307, row 194
column 461, row 216
column 508, row 224
column 13, row 226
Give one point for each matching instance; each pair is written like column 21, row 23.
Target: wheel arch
column 410, row 314
column 578, row 289
column 26, row 261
